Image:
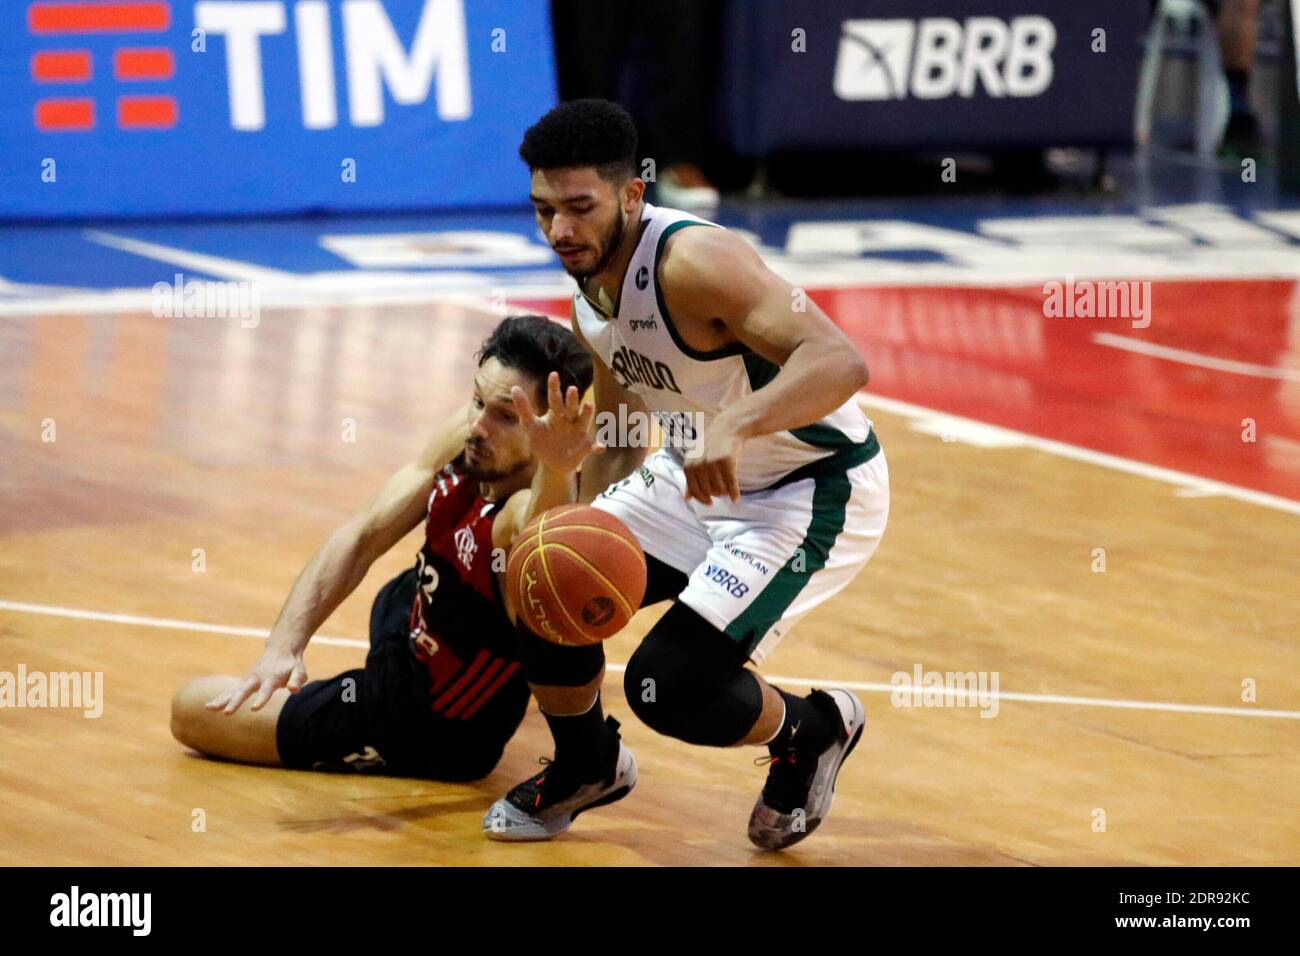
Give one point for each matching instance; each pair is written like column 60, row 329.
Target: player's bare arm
column 340, row 565
column 560, row 440
column 613, row 464
column 719, row 291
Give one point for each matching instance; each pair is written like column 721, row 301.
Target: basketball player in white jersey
column 770, row 494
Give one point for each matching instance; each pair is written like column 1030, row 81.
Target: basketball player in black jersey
column 441, row 692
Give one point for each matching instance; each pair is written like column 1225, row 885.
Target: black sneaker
column 801, row 785
column 545, row 805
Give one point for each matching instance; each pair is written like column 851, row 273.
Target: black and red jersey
column 459, row 627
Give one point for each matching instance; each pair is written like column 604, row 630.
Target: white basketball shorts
column 758, row 565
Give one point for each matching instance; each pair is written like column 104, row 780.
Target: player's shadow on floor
column 847, row 841
column 383, row 820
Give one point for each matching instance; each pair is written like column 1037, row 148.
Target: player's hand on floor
column 561, row 438
column 275, row 669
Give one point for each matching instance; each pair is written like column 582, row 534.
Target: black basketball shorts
column 377, row 719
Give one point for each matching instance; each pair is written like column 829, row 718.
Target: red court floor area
column 1178, row 387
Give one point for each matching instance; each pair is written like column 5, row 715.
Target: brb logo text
column 938, row 57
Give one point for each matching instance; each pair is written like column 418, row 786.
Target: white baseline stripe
column 161, row 622
column 1142, row 347
column 1193, row 485
column 871, row 686
column 877, row 687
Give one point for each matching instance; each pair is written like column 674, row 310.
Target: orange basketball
column 576, row 575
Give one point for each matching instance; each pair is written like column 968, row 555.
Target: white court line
column 1188, row 485
column 163, row 622
column 871, row 686
column 1142, row 347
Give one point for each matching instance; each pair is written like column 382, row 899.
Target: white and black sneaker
column 801, row 785
column 545, row 805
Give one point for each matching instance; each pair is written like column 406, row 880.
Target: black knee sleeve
column 554, row 665
column 687, row 680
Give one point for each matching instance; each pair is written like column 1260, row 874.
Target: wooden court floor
column 177, row 435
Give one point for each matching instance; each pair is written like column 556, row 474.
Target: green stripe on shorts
column 833, row 464
column 830, row 499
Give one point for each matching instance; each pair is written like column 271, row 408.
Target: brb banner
column 220, row 107
column 930, row 73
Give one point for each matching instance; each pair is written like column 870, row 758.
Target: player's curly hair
column 587, row 132
column 536, row 346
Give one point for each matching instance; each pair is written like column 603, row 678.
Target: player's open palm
column 561, row 438
column 276, row 668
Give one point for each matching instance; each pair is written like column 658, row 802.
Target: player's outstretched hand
column 275, row 669
column 561, row 438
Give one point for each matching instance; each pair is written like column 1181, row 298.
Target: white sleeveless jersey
column 685, row 387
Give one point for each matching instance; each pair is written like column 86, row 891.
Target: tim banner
column 206, row 107
column 904, row 74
